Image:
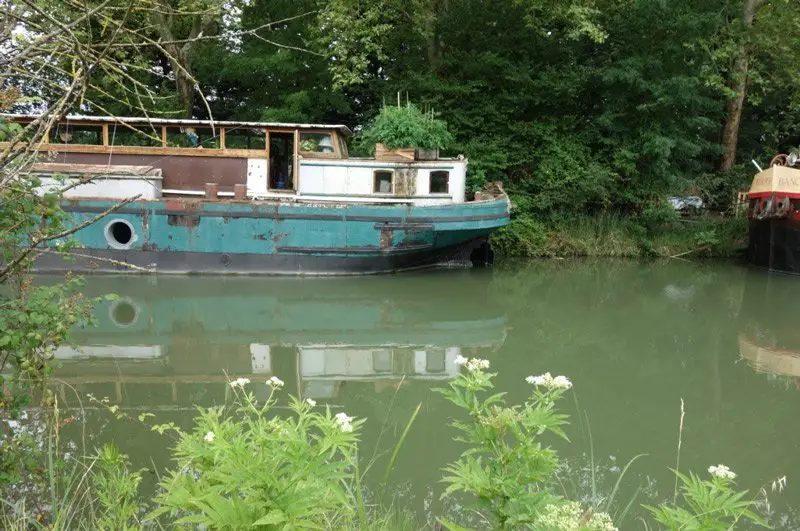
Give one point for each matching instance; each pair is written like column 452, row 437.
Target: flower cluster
column 311, row 402
column 570, row 515
column 472, row 365
column 547, row 380
column 275, row 382
column 344, row 422
column 721, row 471
column 240, row 382
column 209, row 437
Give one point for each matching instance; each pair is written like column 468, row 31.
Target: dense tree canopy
column 579, row 105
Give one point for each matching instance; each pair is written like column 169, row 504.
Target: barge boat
column 255, row 198
column 774, row 216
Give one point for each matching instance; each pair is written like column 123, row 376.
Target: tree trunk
column 738, row 84
column 733, row 111
column 184, row 83
column 179, row 56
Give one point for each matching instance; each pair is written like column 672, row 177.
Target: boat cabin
column 224, row 159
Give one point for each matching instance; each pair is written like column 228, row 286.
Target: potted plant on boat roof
column 406, row 133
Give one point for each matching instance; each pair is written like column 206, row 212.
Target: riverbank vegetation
column 582, row 108
column 618, row 236
column 253, row 463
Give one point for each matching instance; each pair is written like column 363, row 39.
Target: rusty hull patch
column 386, row 239
column 183, row 220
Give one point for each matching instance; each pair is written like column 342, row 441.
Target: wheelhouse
column 256, row 160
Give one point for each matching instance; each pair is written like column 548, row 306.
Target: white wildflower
column 543, row 379
column 344, row 422
column 342, row 418
column 547, row 380
column 209, row 437
column 562, row 382
column 570, row 515
column 275, row 382
column 461, row 360
column 311, row 402
column 721, row 471
column 240, row 382
column 476, row 364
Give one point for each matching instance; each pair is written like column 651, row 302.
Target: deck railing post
column 212, row 189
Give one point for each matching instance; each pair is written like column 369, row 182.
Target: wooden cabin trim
column 153, row 150
column 296, row 161
column 337, row 152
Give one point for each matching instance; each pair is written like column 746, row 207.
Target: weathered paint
column 179, row 171
column 228, row 236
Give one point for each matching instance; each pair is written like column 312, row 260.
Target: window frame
column 430, row 182
column 69, row 126
column 375, row 173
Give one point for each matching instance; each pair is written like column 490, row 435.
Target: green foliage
column 506, row 468
column 244, row 467
column 406, row 126
column 654, row 232
column 710, row 505
column 116, row 488
column 719, row 190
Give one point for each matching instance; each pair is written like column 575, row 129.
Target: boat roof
column 183, row 121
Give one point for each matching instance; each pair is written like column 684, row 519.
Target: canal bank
column 622, row 236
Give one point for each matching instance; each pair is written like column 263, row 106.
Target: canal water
column 636, row 340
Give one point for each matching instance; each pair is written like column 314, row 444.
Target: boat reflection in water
column 176, row 341
column 769, row 338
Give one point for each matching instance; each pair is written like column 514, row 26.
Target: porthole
column 120, row 234
column 123, row 313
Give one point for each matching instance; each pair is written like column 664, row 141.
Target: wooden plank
column 393, row 155
column 152, row 150
column 296, row 161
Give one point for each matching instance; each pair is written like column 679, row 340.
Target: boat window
column 383, row 181
column 122, row 135
column 245, row 138
column 193, row 137
column 316, row 142
column 342, row 146
column 91, row 135
column 281, row 161
column 440, row 182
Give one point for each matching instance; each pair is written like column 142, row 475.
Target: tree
column 755, row 51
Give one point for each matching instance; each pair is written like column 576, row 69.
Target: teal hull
column 191, row 236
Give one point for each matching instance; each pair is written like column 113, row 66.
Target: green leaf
column 271, row 518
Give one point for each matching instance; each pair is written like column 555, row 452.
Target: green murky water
column 635, row 339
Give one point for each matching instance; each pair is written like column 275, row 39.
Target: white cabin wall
column 458, row 182
column 107, row 186
column 353, row 179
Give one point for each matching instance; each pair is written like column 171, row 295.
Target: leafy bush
column 712, row 504
column 408, row 126
column 719, row 190
column 507, row 468
column 245, row 467
column 524, row 236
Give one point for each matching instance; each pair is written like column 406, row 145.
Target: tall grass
column 617, row 235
